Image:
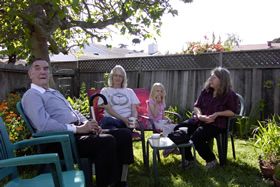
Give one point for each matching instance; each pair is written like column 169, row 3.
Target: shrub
column 15, row 126
column 81, row 104
column 267, row 137
column 277, row 172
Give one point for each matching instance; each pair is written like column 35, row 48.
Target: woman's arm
column 211, row 118
column 134, row 112
column 112, row 112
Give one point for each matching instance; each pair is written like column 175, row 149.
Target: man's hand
column 89, row 127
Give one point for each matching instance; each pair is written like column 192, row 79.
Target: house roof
column 256, row 47
column 94, row 51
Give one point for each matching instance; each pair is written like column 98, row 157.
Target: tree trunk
column 40, row 50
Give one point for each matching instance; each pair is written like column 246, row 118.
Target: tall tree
column 40, row 27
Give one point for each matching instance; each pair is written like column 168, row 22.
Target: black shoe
column 121, row 184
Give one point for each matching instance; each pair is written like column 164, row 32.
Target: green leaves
column 267, row 137
column 68, row 22
column 81, row 104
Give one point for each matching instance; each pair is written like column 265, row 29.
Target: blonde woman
column 122, row 101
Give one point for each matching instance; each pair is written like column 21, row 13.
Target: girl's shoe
column 167, row 152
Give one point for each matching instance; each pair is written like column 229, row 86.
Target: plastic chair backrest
column 33, row 133
column 26, row 120
column 6, row 151
column 142, row 94
column 241, row 105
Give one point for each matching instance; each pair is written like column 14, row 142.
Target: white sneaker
column 212, row 164
column 93, row 169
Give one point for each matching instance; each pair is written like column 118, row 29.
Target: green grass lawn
column 244, row 171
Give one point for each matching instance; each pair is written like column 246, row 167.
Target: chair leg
column 220, row 148
column 144, row 150
column 225, row 146
column 233, row 149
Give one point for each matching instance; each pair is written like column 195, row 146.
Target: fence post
column 221, row 59
column 139, row 72
column 77, row 73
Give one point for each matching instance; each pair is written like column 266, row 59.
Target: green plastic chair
column 9, row 163
column 84, row 164
column 222, row 138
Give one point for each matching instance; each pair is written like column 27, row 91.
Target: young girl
column 156, row 106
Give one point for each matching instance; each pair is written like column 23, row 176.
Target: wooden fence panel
column 182, row 75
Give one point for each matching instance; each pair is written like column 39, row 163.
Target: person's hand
column 158, row 99
column 205, row 119
column 213, row 116
column 89, row 127
column 125, row 120
column 169, row 121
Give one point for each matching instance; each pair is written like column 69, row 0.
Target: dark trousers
column 109, row 151
column 200, row 134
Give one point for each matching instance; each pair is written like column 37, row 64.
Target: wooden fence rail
column 255, row 75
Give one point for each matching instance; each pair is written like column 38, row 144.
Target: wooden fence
column 255, row 75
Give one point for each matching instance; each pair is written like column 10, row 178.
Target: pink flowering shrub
column 206, row 47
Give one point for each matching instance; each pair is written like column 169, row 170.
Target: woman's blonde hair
column 153, row 91
column 225, row 81
column 121, row 69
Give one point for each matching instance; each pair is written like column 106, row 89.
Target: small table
column 166, row 143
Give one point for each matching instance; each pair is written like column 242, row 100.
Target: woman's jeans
column 112, row 123
column 200, row 134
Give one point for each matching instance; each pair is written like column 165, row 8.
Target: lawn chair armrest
column 51, row 158
column 72, row 139
column 150, row 120
column 176, row 114
column 235, row 117
column 62, row 139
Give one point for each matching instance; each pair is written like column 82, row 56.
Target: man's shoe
column 187, row 164
column 212, row 164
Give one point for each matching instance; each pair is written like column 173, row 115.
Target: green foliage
column 173, row 118
column 106, row 77
column 245, row 125
column 15, row 125
column 267, row 137
column 186, row 114
column 81, row 104
column 60, row 23
column 277, row 172
column 206, row 47
column 233, row 39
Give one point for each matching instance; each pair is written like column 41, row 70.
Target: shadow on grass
column 235, row 173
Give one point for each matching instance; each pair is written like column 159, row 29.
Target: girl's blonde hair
column 121, row 69
column 153, row 91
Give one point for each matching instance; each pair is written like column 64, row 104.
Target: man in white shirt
column 48, row 110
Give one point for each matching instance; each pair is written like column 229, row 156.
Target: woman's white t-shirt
column 120, row 99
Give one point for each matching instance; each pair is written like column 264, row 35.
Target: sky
column 254, row 21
